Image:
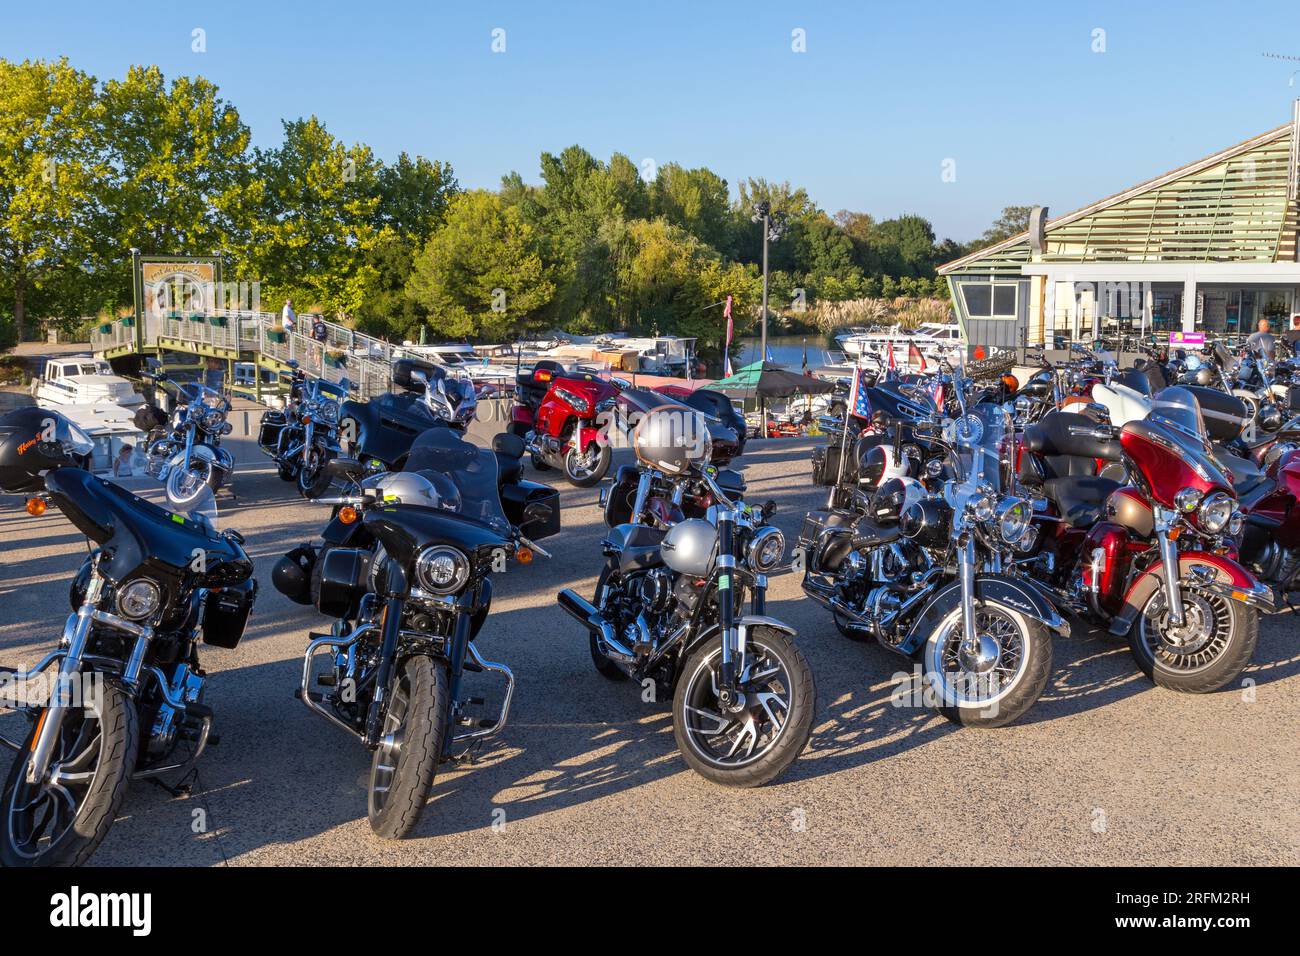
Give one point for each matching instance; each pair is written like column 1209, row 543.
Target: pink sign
column 1186, row 338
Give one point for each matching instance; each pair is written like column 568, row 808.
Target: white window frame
column 992, row 285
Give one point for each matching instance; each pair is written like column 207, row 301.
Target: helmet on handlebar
column 894, row 497
column 671, row 438
column 425, row 489
column 33, row 441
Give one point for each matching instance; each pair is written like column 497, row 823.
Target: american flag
column 859, row 402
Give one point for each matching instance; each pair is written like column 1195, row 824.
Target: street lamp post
column 773, row 226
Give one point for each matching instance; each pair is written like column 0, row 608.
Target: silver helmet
column 689, row 547
column 427, row 490
column 671, row 438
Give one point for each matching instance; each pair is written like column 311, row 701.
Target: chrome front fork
column 76, row 634
column 966, row 571
column 1169, row 558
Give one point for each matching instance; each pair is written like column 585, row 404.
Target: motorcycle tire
column 182, row 502
column 792, row 737
column 402, row 772
column 113, row 764
column 604, row 666
column 1008, row 705
column 1230, row 648
column 598, row 470
column 312, row 483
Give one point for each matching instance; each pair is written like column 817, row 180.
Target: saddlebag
column 343, row 577
column 823, row 551
column 532, row 498
column 269, row 435
column 225, row 613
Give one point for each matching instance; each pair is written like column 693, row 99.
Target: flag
column 805, row 357
column 859, row 402
column 726, row 351
column 914, row 357
column 892, row 366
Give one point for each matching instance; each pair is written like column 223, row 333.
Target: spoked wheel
column 313, row 479
column 753, row 741
column 586, row 468
column 406, row 759
column 1212, row 647
column 61, row 821
column 186, row 487
column 995, row 681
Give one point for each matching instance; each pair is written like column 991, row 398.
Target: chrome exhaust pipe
column 589, row 616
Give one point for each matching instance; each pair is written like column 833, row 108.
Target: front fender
column 1020, row 595
column 1206, row 570
column 743, row 625
column 216, row 457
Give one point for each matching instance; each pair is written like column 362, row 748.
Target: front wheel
column 586, row 468
column 186, row 488
column 1211, row 649
column 994, row 682
column 313, row 478
column 61, row 821
column 752, row 742
column 406, row 759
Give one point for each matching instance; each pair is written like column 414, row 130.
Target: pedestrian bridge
column 259, row 340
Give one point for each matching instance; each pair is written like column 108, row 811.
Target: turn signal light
column 543, row 375
column 524, row 556
column 36, row 506
column 1174, row 533
column 347, row 514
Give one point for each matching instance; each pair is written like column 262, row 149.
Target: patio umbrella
column 773, row 381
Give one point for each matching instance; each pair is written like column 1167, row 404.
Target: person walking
column 319, row 331
column 288, row 318
column 1262, row 340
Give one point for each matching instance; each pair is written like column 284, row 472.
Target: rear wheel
column 995, row 682
column 754, row 741
column 1210, row 650
column 61, row 821
column 406, row 760
column 608, row 583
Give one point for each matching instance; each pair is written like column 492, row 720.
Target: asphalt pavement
column 1106, row 769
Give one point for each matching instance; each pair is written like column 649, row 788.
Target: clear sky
column 1012, row 92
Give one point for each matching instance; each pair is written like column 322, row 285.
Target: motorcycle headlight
column 138, row 599
column 328, row 412
column 442, row 569
column 213, row 418
column 1188, row 500
column 1216, row 511
column 766, row 550
column 1013, row 519
column 982, row 506
column 580, row 404
column 1022, row 404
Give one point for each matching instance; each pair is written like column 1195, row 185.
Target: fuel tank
column 1127, row 508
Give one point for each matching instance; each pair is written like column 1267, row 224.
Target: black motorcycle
column 304, row 438
column 383, row 429
column 669, row 607
column 407, row 577
column 127, row 699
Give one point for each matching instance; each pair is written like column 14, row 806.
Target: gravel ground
column 1106, row 769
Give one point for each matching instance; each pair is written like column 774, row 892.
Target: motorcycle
column 185, row 453
column 1153, row 556
column 304, row 437
column 669, row 608
column 566, row 430
column 931, row 574
column 126, row 701
column 383, row 429
column 409, row 593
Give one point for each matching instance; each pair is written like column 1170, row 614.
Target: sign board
column 1187, row 338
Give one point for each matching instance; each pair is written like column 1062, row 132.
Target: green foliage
column 89, row 170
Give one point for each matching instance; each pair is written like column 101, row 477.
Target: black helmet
column 1269, row 417
column 33, row 441
column 892, row 499
column 1204, row 376
column 872, row 460
column 292, row 574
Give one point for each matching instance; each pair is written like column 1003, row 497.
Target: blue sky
column 864, row 119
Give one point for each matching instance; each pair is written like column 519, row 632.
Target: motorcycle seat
column 1079, row 498
column 1246, row 475
column 869, row 533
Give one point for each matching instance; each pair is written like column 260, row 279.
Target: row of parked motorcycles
column 967, row 523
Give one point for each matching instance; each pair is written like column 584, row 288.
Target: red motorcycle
column 1157, row 557
column 1270, row 493
column 563, row 429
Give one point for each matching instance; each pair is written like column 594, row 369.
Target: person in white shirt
column 287, row 316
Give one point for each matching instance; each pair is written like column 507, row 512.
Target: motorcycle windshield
column 982, row 443
column 460, row 477
column 1178, row 409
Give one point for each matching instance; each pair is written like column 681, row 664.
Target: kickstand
column 470, row 754
column 183, row 786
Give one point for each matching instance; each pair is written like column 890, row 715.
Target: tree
column 316, row 232
column 51, row 173
column 1013, row 221
column 905, row 246
column 695, row 199
column 481, row 274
